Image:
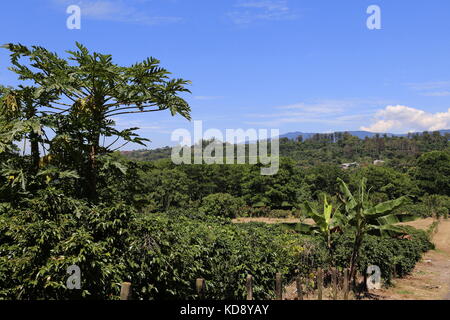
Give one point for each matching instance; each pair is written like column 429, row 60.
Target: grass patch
column 421, row 273
column 405, row 292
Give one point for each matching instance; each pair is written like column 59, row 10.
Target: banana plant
column 380, row 219
column 364, row 218
column 328, row 221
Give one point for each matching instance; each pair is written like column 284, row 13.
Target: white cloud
column 208, row 98
column 437, row 94
column 253, row 10
column 269, row 5
column 144, row 126
column 431, row 89
column 299, row 119
column 116, row 10
column 332, row 111
column 323, row 107
column 403, row 119
column 433, row 85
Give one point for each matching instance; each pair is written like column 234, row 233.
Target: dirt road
column 430, row 279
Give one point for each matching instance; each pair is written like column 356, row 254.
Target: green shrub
column 280, row 214
column 429, row 206
column 222, row 205
column 163, row 254
column 44, row 236
column 255, row 212
column 418, row 209
column 169, row 254
column 436, row 205
column 390, row 254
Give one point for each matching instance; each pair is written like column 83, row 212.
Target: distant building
column 346, row 166
column 378, row 162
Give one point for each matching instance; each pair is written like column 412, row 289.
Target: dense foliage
column 169, row 254
column 393, row 256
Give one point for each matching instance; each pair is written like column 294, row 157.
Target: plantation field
column 69, row 201
column 430, row 279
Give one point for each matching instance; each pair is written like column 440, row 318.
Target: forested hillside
column 339, row 148
column 417, row 166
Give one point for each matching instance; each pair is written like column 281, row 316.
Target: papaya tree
column 89, row 90
column 21, row 116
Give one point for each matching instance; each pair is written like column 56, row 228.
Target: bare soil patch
column 271, row 220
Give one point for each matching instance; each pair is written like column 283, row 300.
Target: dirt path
column 266, row 220
column 272, row 220
column 430, row 279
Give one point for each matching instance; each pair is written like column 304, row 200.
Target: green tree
column 222, row 205
column 90, row 90
column 322, row 178
column 387, row 181
column 433, row 172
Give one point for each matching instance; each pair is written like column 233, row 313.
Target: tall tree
column 90, row 90
column 433, row 172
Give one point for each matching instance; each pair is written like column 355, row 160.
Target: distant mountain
column 359, row 134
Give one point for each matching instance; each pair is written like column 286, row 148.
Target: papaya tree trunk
column 92, row 173
column 93, row 152
column 35, row 156
column 30, row 112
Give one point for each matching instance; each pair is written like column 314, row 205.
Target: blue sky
column 293, row 65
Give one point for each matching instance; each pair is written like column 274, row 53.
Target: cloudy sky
column 293, row 65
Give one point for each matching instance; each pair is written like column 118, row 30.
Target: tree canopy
column 77, row 98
